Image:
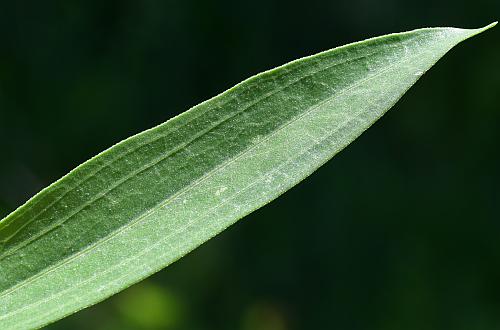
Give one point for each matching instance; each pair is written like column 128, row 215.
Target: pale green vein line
column 194, row 184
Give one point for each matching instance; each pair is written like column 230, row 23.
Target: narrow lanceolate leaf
column 152, row 198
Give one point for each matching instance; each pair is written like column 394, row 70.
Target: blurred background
column 400, row 231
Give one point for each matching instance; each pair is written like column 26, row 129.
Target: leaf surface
column 147, row 201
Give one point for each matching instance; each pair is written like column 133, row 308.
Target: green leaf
column 149, row 200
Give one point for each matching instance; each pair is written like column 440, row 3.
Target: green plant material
column 149, row 200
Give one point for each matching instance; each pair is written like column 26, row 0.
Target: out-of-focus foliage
column 422, row 251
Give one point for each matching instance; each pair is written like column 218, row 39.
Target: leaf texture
column 149, row 200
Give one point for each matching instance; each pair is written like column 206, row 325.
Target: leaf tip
column 481, row 30
column 489, row 26
column 468, row 33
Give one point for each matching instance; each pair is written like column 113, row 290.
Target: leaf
column 147, row 201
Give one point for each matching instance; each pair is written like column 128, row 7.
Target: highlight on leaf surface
column 147, row 201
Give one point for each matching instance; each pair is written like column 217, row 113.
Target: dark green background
column 399, row 231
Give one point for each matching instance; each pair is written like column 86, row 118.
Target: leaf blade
column 107, row 224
